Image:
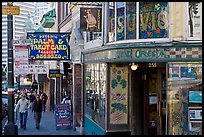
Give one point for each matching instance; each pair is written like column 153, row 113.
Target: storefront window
column 95, row 86
column 153, row 20
column 184, row 96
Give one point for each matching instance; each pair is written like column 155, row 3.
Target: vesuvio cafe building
column 141, row 81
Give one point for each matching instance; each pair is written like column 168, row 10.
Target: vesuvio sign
column 49, row 46
column 90, row 19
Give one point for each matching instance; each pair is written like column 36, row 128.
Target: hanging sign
column 90, row 19
column 49, row 46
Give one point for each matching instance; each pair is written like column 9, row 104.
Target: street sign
column 23, row 42
column 10, row 10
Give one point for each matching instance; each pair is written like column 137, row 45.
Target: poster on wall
column 195, row 114
column 90, row 19
column 119, row 95
column 63, row 116
column 21, row 60
column 49, row 46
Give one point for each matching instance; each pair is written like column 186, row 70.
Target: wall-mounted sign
column 195, row 96
column 90, row 19
column 38, row 69
column 21, row 60
column 195, row 114
column 23, row 42
column 49, row 46
column 54, row 73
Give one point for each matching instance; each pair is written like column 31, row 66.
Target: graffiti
column 153, row 20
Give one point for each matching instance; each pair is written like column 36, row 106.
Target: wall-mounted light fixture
column 134, row 66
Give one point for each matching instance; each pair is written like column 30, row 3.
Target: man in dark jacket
column 37, row 108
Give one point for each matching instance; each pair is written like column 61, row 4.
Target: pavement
column 47, row 126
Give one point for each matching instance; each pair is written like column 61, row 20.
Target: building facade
column 142, row 73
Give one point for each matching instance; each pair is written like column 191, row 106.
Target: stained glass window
column 153, row 17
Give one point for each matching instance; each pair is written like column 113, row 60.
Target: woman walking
column 37, row 108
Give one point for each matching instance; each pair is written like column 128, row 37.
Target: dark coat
column 37, row 106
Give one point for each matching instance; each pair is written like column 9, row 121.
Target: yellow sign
column 10, row 10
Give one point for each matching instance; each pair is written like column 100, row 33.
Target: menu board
column 63, row 116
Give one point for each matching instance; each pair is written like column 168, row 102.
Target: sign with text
column 23, row 42
column 38, row 69
column 10, row 10
column 63, row 116
column 54, row 73
column 49, row 46
column 90, row 19
column 21, row 60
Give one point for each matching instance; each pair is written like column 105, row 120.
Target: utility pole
column 10, row 128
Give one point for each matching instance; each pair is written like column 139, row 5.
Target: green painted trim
column 147, row 60
column 141, row 45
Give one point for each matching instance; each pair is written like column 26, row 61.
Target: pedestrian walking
column 37, row 108
column 44, row 100
column 32, row 99
column 22, row 107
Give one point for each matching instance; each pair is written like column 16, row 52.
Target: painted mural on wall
column 153, row 20
column 119, row 95
column 120, row 21
column 130, row 20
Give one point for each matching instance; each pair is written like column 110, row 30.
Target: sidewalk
column 47, row 126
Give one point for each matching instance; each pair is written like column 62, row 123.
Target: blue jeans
column 23, row 119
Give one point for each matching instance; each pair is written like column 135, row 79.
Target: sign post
column 10, row 128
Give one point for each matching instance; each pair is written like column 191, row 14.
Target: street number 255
column 152, row 65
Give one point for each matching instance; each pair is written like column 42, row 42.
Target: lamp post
column 10, row 128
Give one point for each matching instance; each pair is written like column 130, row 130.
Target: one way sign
column 23, row 42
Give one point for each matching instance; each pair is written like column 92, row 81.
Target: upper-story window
column 138, row 20
column 195, row 20
column 66, row 9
